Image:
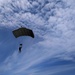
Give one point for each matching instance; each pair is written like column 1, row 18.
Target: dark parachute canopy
column 23, row 32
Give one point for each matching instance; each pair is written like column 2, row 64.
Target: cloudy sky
column 52, row 51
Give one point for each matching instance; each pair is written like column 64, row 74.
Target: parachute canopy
column 23, row 32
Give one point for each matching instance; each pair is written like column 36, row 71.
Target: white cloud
column 53, row 22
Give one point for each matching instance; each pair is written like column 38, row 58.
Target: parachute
column 23, row 32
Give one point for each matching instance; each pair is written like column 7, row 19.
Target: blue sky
column 52, row 51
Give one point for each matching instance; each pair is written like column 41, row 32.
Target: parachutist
column 22, row 31
column 20, row 47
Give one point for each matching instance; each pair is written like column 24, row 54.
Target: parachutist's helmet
column 20, row 44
